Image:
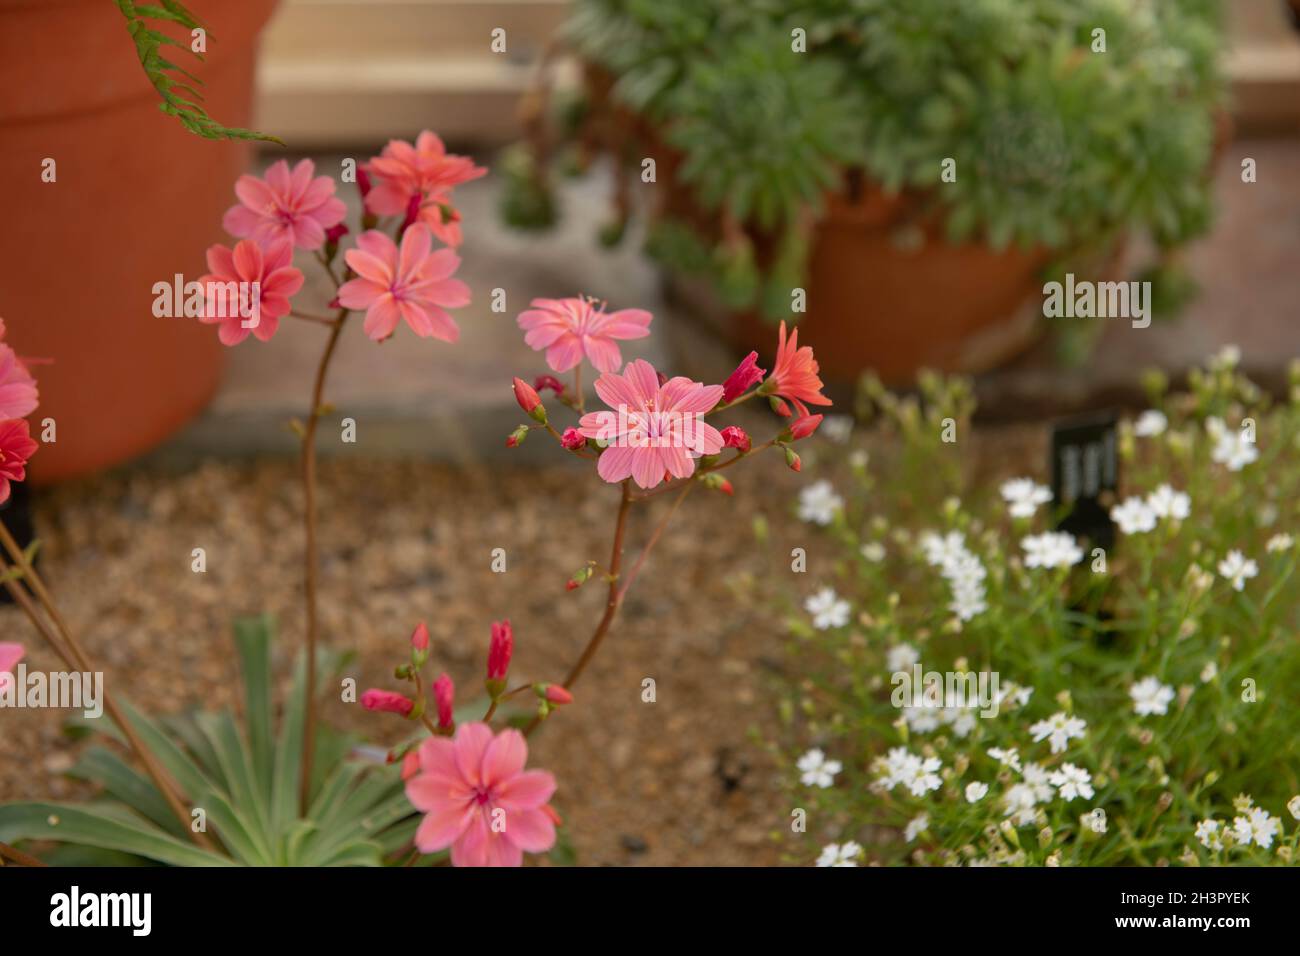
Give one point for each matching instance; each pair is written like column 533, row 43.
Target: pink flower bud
column 420, row 637
column 724, row 486
column 336, row 232
column 387, row 701
column 557, row 694
column 805, row 427
column 363, row 182
column 500, row 650
column 529, row 400
column 412, row 213
column 444, row 693
column 410, row 764
column 572, row 439
column 733, row 436
column 516, row 437
column 792, row 459
column 747, row 374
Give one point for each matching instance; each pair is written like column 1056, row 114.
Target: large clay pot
column 895, row 297
column 136, row 199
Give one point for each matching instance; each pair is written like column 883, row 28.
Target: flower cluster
column 18, row 399
column 1137, row 690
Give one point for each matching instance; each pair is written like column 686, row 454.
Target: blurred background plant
column 1170, row 619
column 1067, row 125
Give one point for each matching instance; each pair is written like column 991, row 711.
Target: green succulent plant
column 771, row 104
column 243, row 775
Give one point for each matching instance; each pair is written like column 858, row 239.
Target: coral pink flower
column 656, row 431
column 414, row 284
column 794, row 376
column 747, row 374
column 10, row 655
column 16, row 447
column 18, row 394
column 290, row 206
column 464, row 781
column 387, row 701
column 573, row 329
column 271, row 268
column 425, row 172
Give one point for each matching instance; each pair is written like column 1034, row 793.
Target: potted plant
column 92, row 168
column 913, row 169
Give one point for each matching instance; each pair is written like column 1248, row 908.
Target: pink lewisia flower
column 387, row 701
column 10, row 655
column 794, row 376
column 289, row 206
column 16, row 447
column 656, row 430
column 414, row 284
column 18, row 393
column 573, row 329
column 747, row 374
column 277, row 281
column 426, row 173
column 464, row 780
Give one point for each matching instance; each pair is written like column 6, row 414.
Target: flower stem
column 74, row 657
column 312, row 558
column 17, row 856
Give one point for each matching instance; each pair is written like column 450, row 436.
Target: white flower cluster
column 900, row 767
column 1023, row 496
column 1051, row 549
column 1252, row 825
column 960, row 568
column 828, row 609
column 1138, row 515
column 819, row 503
column 816, row 770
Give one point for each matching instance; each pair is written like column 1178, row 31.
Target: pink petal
column 603, row 353
column 626, row 324
column 382, row 317
column 416, row 244
column 530, row 830
column 240, row 221
column 564, row 353
column 360, row 293
column 525, row 791
column 255, row 194
column 443, row 825
column 504, row 758
column 369, row 266
column 616, row 463
column 471, row 742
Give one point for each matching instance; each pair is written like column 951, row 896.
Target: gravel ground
column 678, row 781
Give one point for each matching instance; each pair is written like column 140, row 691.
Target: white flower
column 873, row 551
column 1150, row 696
column 1094, row 820
column 939, row 550
column 1258, row 826
column 1014, row 693
column 975, row 792
column 1051, row 549
column 817, row 770
column 1020, row 799
column 968, row 600
column 1072, row 782
column 1236, row 567
column 915, row 827
column 1231, row 447
column 1293, row 806
column 858, row 458
column 1008, row 758
column 819, row 503
column 1208, row 832
column 1134, row 516
column 1060, row 728
column 837, row 428
column 1150, row 424
column 828, row 609
column 1228, row 357
column 1209, row 672
column 919, row 775
column 835, row 854
column 1167, row 503
column 1037, row 778
column 901, row 657
column 1024, row 496
column 1279, row 542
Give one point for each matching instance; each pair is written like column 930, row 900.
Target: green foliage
column 242, row 774
column 1079, row 636
column 1055, row 145
column 175, row 85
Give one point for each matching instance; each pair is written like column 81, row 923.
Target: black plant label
column 1085, row 476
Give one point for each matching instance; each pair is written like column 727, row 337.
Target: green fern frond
column 179, row 98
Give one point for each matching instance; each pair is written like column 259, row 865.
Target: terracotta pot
column 136, row 200
column 896, row 297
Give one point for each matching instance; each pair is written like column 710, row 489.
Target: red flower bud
column 526, row 395
column 420, row 637
column 804, row 427
column 363, row 182
column 572, row 439
column 412, row 213
column 500, row 650
column 747, row 374
column 387, row 701
column 733, row 436
column 336, row 232
column 557, row 694
column 444, row 694
column 543, row 382
column 792, row 459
